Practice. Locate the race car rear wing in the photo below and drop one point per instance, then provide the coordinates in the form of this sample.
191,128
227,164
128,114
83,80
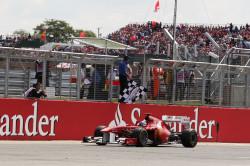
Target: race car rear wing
177,119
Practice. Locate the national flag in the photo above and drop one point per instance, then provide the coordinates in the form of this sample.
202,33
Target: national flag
82,34
157,6
43,36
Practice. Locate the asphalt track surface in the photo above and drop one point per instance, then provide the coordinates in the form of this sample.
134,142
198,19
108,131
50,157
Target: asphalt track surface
68,153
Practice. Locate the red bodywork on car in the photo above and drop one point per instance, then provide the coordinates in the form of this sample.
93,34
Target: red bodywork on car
151,131
157,130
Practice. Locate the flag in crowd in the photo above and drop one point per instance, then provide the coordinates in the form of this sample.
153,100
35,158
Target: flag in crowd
82,34
157,6
43,36
132,93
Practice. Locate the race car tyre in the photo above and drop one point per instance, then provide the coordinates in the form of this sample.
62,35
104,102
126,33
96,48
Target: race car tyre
142,136
104,136
189,138
86,139
98,132
104,140
156,142
101,143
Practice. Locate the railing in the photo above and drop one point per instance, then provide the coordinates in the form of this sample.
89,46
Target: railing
17,73
191,83
203,83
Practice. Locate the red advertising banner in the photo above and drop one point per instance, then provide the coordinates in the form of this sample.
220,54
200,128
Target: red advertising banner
22,119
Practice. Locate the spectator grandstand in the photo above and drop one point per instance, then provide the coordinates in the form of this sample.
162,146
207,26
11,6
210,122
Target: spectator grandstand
28,41
150,37
207,82
147,35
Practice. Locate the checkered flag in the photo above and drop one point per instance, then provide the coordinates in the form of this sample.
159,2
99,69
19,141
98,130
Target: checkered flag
132,93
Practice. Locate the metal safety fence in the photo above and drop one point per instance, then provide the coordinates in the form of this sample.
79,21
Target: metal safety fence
197,83
63,75
77,76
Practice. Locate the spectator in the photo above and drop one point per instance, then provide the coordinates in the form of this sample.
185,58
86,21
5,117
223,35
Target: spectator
123,74
110,78
168,80
85,80
191,85
136,72
151,33
157,71
39,71
35,92
96,83
180,80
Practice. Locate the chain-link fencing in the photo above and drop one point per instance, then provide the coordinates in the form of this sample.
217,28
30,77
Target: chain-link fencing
197,83
63,75
77,76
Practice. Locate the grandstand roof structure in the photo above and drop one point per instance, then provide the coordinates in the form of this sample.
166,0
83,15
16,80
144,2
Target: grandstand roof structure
23,53
102,43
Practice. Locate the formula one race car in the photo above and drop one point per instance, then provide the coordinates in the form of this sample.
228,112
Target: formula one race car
151,131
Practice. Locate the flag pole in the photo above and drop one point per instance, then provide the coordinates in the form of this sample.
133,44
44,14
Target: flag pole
174,51
174,30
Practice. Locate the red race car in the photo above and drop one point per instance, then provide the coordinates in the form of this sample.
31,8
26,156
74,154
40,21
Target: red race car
151,131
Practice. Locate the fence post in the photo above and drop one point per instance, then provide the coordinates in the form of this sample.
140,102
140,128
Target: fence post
174,84
169,51
195,51
247,89
203,92
186,52
157,48
221,88
144,79
44,72
28,79
144,76
111,83
71,80
78,82
60,82
6,76
94,81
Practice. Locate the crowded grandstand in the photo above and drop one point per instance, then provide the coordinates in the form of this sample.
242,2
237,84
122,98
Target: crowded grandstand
195,43
151,33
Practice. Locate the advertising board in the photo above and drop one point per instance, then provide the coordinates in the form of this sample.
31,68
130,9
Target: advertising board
22,119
